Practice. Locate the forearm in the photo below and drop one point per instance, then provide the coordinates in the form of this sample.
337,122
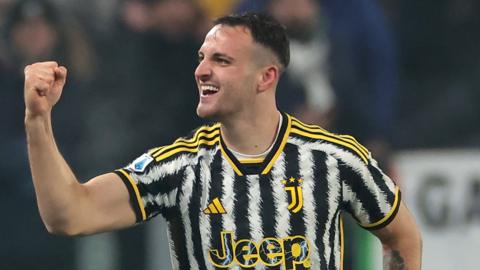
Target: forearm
56,187
404,255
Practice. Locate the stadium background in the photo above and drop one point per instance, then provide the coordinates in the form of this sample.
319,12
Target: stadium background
402,76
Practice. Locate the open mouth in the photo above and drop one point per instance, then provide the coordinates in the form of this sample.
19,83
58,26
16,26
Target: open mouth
208,90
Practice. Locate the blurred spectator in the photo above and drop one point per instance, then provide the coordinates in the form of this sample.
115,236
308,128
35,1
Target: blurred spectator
37,31
364,73
34,30
309,56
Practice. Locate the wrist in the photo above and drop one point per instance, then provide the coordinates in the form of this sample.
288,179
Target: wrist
36,117
35,123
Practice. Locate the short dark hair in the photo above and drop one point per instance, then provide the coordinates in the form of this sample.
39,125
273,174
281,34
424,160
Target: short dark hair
264,29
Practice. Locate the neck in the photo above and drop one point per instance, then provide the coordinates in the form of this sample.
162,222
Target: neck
251,134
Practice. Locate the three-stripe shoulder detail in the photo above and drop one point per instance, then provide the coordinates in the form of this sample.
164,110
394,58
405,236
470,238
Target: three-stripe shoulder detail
316,132
204,136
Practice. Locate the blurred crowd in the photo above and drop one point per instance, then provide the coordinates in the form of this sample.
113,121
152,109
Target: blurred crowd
395,74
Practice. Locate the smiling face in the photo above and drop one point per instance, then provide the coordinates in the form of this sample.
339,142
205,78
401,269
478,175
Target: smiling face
227,73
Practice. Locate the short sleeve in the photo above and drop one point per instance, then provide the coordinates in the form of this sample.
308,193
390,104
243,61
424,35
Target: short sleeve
152,187
368,194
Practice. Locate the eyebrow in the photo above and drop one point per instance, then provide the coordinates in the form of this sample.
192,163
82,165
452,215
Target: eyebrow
222,55
217,55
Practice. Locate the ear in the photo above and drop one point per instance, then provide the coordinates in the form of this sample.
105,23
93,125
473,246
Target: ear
268,78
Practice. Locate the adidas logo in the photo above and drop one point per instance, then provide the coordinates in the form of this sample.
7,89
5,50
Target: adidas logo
215,207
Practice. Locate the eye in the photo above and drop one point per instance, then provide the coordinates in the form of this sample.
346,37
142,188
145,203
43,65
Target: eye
200,57
223,61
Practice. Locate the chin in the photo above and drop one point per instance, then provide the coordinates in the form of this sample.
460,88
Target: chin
205,113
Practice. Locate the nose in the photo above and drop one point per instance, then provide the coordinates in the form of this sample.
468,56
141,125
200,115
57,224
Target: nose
203,72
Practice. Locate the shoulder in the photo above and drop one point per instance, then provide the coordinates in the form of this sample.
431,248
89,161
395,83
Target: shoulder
205,136
327,140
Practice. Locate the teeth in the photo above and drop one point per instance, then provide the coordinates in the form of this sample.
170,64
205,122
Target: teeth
209,88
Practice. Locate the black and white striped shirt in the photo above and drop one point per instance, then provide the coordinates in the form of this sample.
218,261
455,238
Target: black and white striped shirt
280,212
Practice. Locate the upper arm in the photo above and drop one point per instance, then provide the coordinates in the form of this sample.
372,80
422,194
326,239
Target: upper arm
402,242
107,205
402,227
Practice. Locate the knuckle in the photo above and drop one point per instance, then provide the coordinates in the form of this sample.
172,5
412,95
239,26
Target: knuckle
43,86
49,79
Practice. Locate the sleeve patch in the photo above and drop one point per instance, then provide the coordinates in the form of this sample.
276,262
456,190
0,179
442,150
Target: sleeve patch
139,164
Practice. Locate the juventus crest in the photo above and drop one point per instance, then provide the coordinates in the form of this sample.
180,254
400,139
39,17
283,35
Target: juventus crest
294,188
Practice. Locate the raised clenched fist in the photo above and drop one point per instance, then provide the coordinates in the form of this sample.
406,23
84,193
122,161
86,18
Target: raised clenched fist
44,83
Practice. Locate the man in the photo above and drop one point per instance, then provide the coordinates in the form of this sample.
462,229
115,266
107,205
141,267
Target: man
259,188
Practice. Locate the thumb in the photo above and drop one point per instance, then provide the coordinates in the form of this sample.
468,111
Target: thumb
60,76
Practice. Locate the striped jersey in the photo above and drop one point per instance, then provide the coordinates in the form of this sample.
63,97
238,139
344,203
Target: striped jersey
280,212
